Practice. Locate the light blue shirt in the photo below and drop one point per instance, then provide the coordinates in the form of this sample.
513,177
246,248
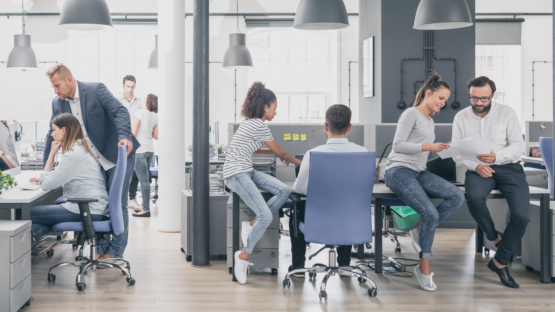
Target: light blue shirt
80,176
331,146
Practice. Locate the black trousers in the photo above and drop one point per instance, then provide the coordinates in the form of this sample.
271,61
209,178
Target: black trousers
133,186
298,244
511,181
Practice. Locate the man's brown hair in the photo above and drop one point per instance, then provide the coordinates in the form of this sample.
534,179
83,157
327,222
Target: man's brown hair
60,69
338,118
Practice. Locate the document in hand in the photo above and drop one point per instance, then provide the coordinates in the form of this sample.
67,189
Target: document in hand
468,149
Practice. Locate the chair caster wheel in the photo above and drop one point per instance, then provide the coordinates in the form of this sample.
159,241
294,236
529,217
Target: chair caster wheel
323,295
368,246
50,253
130,281
189,258
182,250
81,286
74,246
51,277
486,250
274,271
398,250
530,269
311,275
372,292
81,258
286,283
361,280
230,270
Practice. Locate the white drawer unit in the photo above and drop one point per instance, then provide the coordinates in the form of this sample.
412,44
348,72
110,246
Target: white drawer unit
531,240
15,265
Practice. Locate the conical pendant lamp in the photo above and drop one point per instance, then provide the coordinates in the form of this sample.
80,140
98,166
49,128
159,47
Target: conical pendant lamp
321,15
22,56
237,55
153,61
442,14
85,15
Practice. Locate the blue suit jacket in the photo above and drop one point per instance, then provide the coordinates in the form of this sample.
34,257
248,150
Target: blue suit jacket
105,118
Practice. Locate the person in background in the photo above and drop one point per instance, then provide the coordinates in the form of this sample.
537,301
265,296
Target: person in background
406,174
77,172
337,125
132,104
260,106
499,169
106,126
145,128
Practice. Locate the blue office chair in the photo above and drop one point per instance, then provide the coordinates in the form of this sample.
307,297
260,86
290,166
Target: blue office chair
337,211
92,229
154,175
546,149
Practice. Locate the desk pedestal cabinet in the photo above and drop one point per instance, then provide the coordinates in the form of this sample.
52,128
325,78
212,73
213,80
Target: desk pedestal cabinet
531,241
15,265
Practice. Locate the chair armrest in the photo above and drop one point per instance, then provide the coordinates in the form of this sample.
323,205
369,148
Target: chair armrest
295,198
82,200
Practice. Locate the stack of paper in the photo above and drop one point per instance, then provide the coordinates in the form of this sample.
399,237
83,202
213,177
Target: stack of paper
468,149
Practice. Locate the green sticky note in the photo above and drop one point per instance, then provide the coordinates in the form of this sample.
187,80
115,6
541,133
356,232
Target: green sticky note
303,137
295,137
287,137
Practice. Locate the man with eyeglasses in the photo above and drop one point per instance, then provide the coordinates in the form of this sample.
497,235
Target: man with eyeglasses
499,169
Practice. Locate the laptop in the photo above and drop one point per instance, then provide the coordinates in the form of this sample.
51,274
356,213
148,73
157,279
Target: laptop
444,168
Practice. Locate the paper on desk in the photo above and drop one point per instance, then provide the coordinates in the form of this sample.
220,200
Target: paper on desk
468,149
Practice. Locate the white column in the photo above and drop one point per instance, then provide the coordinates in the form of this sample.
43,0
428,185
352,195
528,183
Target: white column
171,112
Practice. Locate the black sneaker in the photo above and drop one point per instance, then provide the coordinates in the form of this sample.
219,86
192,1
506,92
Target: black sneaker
298,274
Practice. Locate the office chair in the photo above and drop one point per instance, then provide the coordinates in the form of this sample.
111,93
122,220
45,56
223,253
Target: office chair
546,148
338,211
90,229
154,175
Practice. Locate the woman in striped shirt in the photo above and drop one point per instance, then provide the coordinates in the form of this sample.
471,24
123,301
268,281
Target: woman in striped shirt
239,175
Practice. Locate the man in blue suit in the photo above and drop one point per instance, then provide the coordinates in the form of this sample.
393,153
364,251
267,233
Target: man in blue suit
106,125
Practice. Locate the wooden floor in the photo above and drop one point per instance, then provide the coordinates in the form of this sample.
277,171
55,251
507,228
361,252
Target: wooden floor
166,282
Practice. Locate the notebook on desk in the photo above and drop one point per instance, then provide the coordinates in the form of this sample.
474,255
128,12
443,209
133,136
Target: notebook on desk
29,187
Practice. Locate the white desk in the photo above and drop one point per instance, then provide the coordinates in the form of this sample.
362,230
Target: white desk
534,160
23,200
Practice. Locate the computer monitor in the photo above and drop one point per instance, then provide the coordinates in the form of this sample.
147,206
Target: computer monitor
444,168
9,164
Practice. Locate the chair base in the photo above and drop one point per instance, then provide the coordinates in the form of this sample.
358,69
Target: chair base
86,264
330,270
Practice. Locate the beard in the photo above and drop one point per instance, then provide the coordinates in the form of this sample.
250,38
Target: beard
481,110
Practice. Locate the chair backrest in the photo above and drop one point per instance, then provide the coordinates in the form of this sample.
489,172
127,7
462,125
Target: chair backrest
339,198
116,214
546,149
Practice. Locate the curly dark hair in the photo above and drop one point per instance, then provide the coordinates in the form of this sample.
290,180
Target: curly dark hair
258,97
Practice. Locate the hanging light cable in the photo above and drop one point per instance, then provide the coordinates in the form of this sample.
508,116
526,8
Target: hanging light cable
22,55
237,55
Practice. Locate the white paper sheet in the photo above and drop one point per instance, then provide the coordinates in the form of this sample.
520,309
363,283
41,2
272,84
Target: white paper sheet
468,149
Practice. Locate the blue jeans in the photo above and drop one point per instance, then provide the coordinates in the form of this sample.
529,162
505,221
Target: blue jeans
142,168
247,185
44,217
414,188
116,244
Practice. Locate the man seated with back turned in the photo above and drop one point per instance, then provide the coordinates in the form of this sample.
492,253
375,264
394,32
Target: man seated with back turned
337,125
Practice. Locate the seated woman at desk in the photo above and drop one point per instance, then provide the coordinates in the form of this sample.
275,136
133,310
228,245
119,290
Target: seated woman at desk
78,173
406,175
145,128
239,175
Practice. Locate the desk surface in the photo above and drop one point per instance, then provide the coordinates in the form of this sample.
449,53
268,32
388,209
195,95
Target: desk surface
16,196
535,160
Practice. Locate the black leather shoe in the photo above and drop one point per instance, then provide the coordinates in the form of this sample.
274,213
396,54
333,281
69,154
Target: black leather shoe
504,276
513,256
142,215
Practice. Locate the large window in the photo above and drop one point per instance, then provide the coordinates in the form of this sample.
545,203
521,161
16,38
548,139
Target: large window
297,66
109,56
502,64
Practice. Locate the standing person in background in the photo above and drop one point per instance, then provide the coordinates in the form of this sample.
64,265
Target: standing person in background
132,103
145,128
106,125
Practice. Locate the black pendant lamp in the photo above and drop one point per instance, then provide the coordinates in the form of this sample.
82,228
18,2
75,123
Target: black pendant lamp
85,15
442,14
321,15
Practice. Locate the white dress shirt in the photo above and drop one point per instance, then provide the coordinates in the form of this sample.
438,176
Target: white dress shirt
500,124
132,106
75,105
332,145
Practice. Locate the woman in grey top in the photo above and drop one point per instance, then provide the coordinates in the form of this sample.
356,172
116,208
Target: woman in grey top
406,175
78,173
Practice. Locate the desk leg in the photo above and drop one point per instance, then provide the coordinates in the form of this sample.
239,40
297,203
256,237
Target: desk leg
235,231
378,223
26,212
545,249
479,239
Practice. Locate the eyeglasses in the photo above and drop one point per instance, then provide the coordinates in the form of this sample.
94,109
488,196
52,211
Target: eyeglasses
475,99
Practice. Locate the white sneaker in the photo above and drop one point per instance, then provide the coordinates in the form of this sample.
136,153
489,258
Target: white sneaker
240,268
133,204
415,240
426,281
246,229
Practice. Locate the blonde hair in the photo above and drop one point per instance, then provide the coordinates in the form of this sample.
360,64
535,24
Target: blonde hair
61,69
73,134
433,83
